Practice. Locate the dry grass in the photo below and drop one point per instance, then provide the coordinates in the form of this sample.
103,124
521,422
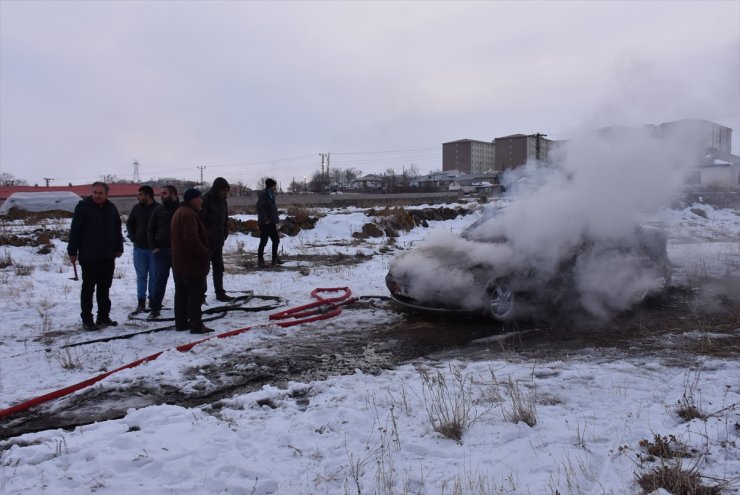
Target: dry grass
23,270
6,260
688,408
448,402
677,480
517,404
665,448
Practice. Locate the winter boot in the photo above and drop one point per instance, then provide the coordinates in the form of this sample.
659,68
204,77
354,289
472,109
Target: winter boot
277,261
141,306
224,297
203,329
105,321
89,325
261,262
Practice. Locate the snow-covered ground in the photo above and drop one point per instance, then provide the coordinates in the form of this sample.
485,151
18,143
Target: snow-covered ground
358,433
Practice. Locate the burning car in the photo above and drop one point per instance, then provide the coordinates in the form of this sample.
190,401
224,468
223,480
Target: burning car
497,268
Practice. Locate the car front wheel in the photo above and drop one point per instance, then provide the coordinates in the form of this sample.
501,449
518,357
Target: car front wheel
501,300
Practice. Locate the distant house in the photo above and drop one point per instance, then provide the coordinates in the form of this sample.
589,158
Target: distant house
369,183
447,180
717,169
486,183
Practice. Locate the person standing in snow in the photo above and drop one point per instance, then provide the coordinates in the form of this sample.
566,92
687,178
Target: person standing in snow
95,240
159,241
190,263
267,219
215,216
137,226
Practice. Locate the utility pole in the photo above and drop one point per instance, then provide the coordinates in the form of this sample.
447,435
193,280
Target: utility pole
48,180
201,167
322,155
136,171
323,177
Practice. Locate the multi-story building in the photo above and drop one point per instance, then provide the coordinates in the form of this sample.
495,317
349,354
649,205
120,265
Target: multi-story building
468,156
517,149
702,135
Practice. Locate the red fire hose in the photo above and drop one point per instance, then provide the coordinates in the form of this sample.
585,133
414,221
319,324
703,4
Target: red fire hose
321,309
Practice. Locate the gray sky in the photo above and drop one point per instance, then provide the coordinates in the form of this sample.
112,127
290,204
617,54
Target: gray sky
253,89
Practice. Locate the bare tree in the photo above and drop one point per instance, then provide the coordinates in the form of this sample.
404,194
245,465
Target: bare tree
8,179
261,182
412,171
296,186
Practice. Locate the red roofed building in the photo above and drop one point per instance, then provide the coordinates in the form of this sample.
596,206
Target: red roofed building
116,190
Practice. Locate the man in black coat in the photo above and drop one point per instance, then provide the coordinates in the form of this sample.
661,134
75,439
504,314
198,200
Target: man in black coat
160,242
215,215
95,240
267,219
137,226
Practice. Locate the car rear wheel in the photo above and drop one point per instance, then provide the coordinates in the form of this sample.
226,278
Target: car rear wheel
501,300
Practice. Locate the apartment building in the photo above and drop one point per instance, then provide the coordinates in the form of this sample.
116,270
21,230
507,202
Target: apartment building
702,135
517,149
468,156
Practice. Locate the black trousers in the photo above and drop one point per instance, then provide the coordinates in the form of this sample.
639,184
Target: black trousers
189,292
217,267
268,230
97,275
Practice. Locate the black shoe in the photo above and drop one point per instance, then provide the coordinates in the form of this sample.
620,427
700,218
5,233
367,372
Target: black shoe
153,314
203,329
90,326
261,263
277,261
141,306
182,329
105,321
224,298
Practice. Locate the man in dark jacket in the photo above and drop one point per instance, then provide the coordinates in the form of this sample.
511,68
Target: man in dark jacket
215,216
137,226
267,219
189,263
95,240
159,241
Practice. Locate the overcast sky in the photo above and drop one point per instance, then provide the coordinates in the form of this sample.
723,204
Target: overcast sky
251,89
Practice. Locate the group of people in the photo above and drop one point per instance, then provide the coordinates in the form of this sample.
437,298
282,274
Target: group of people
187,237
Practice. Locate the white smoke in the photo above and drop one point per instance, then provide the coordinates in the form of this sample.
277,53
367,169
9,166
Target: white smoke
597,189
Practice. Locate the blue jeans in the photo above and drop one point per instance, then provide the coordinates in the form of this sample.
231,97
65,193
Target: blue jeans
144,266
162,265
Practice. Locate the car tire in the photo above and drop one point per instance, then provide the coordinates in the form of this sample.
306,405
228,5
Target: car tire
502,300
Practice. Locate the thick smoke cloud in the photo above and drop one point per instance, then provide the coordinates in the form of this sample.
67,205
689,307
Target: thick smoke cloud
597,190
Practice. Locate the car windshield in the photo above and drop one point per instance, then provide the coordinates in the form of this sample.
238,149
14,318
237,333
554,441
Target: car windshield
474,232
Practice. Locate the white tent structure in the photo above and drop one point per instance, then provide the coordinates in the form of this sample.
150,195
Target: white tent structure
41,201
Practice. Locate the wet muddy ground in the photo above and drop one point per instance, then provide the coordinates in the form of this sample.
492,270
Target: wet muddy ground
677,328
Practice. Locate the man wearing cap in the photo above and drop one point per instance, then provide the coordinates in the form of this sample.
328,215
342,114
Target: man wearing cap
190,263
267,219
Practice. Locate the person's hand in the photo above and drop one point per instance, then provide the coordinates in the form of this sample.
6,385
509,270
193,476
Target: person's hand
118,255
73,259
